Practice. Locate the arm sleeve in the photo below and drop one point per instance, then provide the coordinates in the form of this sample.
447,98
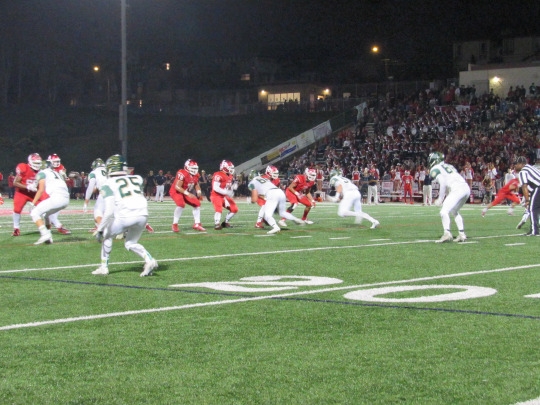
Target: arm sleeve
217,188
90,189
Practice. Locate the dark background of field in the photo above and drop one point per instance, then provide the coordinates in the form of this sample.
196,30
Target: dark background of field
155,141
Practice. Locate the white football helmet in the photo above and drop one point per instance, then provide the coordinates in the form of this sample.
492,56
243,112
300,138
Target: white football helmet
54,160
227,167
192,167
34,161
272,171
311,174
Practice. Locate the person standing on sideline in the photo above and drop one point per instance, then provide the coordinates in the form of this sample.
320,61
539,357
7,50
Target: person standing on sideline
222,194
25,188
427,190
49,182
487,182
126,212
348,196
373,186
184,190
407,183
149,185
448,177
274,197
11,187
160,180
204,182
529,180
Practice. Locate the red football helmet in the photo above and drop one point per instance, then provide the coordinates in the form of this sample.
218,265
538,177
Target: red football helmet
192,167
272,171
34,161
54,160
227,167
311,174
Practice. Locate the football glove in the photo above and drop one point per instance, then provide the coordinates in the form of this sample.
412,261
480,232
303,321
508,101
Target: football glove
31,187
85,208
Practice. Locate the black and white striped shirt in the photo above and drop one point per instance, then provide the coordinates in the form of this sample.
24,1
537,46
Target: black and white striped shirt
529,175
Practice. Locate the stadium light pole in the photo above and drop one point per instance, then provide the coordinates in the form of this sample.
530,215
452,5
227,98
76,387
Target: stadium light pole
122,120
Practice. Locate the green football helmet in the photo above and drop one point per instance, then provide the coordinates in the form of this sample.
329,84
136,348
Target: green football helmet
253,174
97,163
435,158
116,165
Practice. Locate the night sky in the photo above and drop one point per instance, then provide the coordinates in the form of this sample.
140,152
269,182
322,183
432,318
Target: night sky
417,32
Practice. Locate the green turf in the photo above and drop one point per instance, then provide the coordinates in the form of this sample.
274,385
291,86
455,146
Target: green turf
145,341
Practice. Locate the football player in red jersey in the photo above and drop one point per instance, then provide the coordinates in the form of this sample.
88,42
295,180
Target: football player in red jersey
25,188
272,174
507,192
299,192
407,181
185,189
222,194
56,165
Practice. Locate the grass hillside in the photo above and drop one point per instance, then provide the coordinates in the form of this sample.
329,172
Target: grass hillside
154,141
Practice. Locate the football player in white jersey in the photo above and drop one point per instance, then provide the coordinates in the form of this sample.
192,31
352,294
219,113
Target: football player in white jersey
51,182
449,179
349,196
96,178
126,212
275,198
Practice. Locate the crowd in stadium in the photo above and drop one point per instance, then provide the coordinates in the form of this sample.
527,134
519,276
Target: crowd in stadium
403,131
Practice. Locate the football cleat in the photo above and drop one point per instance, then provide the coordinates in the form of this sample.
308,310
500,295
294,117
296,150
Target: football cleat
149,228
374,225
308,222
149,267
191,167
16,232
282,223
46,238
520,224
103,271
447,237
63,231
275,229
199,227
460,238
227,167
218,227
259,225
225,224
175,228
299,222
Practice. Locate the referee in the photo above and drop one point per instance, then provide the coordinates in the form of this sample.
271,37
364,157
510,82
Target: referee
529,180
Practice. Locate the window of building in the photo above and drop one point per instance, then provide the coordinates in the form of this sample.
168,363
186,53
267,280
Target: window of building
276,99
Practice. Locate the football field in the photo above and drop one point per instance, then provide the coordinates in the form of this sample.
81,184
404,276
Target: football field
329,313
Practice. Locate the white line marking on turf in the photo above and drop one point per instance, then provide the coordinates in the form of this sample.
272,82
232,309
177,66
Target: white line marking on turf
514,244
260,298
182,259
530,402
344,237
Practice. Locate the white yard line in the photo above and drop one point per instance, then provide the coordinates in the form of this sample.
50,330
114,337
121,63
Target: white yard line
259,298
